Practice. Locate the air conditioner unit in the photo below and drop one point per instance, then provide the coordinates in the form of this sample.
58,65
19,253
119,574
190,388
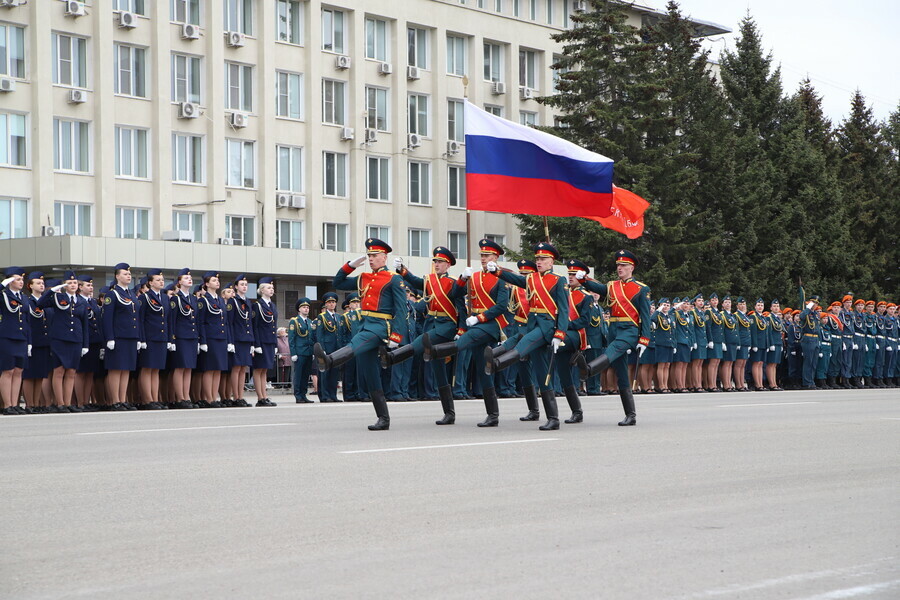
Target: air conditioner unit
49,231
77,96
342,62
298,201
498,88
9,3
413,140
526,93
127,20
226,242
235,38
74,9
579,6
346,133
238,120
413,73
371,136
282,200
7,84
178,235
189,31
453,147
188,110
385,68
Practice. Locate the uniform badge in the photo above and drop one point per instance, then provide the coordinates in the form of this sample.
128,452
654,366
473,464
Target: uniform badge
173,303
107,300
313,325
292,326
228,307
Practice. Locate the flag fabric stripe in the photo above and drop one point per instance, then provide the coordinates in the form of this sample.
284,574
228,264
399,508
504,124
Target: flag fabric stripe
627,215
514,195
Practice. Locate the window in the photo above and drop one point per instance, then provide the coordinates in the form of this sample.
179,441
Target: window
185,78
527,69
185,11
456,55
238,87
516,7
187,158
492,62
289,169
189,221
239,230
379,232
131,152
135,6
417,47
376,39
12,51
498,5
457,242
239,16
419,183
496,238
240,158
455,125
532,9
72,219
558,72
378,178
420,242
456,187
69,60
550,12
495,110
13,218
288,23
335,179
377,108
418,114
332,30
288,95
130,70
132,223
528,118
71,146
335,236
289,234
333,102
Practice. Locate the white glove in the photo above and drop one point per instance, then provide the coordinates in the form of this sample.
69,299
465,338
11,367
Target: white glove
771,348
392,344
455,337
203,347
142,345
398,264
694,347
57,288
674,350
579,275
844,347
111,344
294,358
556,343
724,347
358,262
754,348
710,345
491,267
628,351
889,349
6,281
640,349
794,353
738,348
102,353
230,348
171,347
810,304
467,273
29,349
84,351
820,355
588,347
855,347
470,321
877,347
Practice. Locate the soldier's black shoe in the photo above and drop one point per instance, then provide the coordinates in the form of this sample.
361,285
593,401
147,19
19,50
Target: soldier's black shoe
381,410
548,398
446,395
628,405
492,408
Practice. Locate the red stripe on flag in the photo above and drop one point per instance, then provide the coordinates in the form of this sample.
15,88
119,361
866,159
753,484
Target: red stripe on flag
627,214
514,195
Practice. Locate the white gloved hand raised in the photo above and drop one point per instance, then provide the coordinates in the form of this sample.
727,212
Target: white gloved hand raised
294,358
467,273
492,267
556,343
810,304
580,275
6,281
111,344
470,321
230,348
204,348
57,288
398,264
84,351
358,262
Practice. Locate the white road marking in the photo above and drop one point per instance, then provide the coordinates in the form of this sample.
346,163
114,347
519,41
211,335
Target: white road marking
764,404
448,446
186,428
854,592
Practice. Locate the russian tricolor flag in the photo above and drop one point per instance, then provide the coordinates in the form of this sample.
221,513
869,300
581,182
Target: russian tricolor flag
515,169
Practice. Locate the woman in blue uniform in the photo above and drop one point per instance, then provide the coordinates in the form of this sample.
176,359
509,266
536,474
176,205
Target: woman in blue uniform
776,345
69,337
240,320
153,315
664,337
120,328
759,340
684,341
732,338
89,365
215,339
265,322
700,329
715,343
184,330
745,343
37,368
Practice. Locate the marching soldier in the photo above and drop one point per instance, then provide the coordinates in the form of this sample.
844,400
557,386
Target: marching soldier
871,343
860,346
848,338
265,323
120,328
384,311
576,335
519,305
596,338
878,371
328,338
301,337
156,343
824,358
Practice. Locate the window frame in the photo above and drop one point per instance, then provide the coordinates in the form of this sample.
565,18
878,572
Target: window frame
379,232
423,249
137,71
289,28
420,121
245,161
378,40
85,141
456,123
192,16
338,120
335,28
78,210
461,253
453,68
423,187
338,229
295,174
372,111
292,225
243,89
383,183
78,60
417,47
243,13
135,152
194,163
341,174
191,62
460,179
197,229
528,71
137,210
490,58
13,66
290,100
245,220
9,230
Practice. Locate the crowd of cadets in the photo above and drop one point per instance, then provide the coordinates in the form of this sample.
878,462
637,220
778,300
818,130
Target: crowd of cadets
156,346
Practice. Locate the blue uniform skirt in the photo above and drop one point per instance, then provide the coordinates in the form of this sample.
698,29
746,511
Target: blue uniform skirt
664,355
743,353
65,354
715,351
649,357
153,356
730,353
698,353
90,362
216,356
266,360
38,364
759,355
123,358
774,357
13,354
241,356
185,355
683,354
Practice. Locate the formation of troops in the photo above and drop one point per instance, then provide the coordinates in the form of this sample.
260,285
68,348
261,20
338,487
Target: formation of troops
489,333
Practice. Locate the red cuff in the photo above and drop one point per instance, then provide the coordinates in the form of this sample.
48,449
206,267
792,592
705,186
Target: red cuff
347,268
462,282
481,318
559,334
644,341
460,331
396,337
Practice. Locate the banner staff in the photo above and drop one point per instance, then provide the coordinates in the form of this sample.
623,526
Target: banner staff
465,82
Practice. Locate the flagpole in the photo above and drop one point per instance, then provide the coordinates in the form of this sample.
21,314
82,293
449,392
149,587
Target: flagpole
546,230
465,82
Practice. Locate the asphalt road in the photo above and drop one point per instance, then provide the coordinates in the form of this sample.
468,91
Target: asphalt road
764,495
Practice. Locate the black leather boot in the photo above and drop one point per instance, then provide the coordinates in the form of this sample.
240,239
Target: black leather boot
431,351
627,404
493,365
497,351
830,384
589,369
381,411
445,392
574,404
548,398
531,401
335,359
492,408
397,355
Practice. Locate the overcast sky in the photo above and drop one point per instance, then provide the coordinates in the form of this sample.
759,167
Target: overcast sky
839,45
